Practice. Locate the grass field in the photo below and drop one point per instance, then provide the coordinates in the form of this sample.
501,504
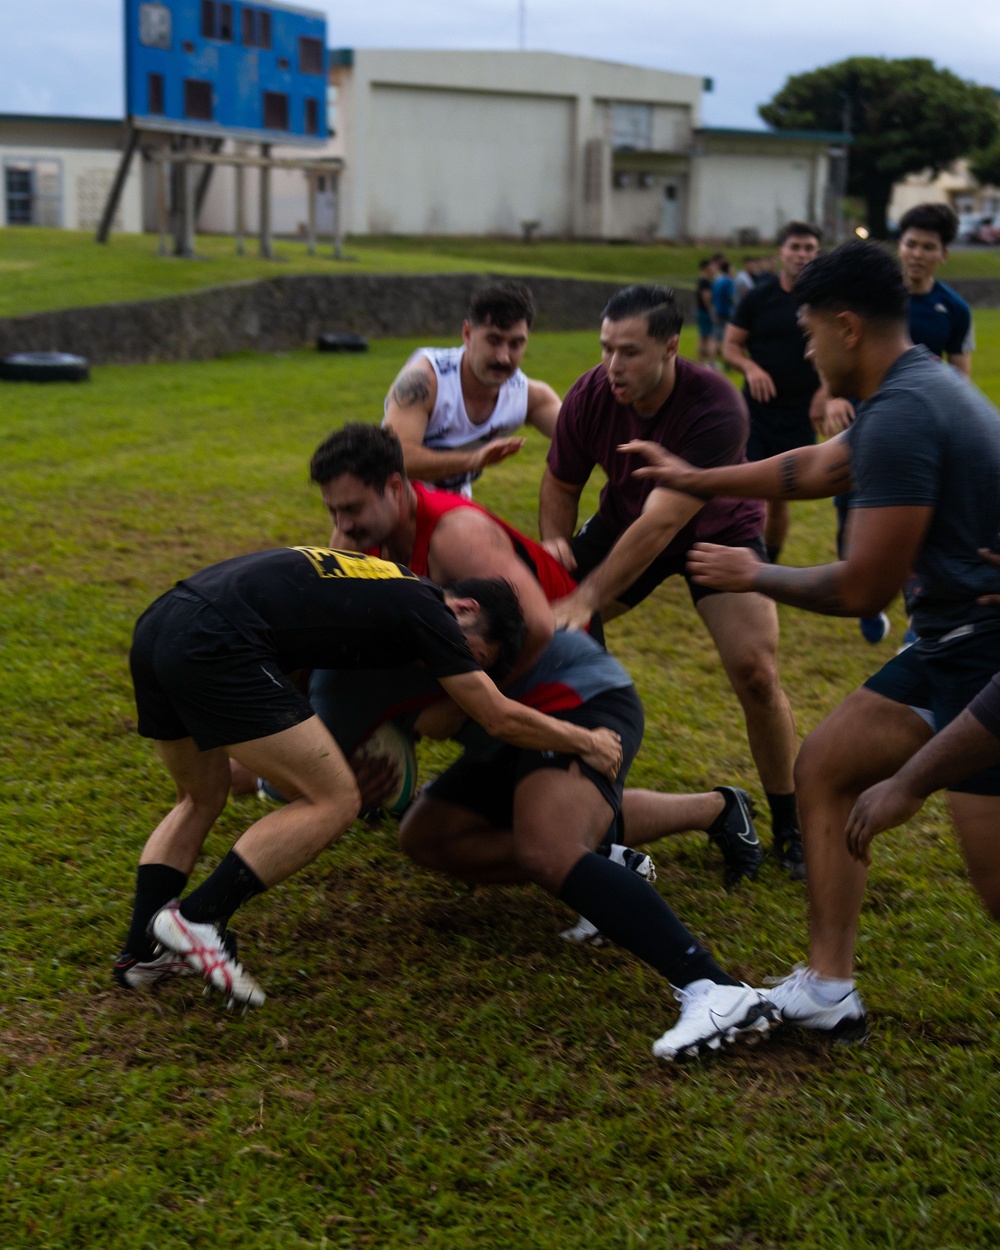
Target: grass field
433,1067
46,269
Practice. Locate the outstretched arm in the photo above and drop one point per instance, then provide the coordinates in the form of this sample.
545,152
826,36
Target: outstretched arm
959,750
884,543
805,473
522,726
665,512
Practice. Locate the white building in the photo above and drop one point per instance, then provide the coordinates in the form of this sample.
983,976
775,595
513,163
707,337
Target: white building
477,143
57,171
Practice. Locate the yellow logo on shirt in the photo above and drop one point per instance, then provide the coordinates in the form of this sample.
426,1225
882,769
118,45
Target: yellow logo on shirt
330,563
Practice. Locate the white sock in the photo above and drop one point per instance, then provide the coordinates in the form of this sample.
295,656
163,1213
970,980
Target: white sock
829,990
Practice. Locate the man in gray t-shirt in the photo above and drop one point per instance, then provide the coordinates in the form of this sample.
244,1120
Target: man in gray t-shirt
924,460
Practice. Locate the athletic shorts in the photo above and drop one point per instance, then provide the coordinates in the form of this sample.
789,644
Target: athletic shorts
595,539
719,327
945,675
777,430
195,676
485,784
706,326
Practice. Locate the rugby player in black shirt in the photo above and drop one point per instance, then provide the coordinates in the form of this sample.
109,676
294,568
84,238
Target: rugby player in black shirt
210,662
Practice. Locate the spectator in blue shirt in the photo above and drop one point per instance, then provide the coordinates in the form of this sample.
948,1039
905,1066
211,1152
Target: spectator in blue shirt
723,298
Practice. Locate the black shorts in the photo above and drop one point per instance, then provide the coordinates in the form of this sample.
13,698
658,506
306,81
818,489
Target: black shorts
595,538
485,784
195,676
777,430
945,675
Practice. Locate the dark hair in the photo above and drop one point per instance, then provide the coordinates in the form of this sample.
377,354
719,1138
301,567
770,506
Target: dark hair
368,452
502,304
501,621
940,218
655,303
860,277
709,260
796,230
724,266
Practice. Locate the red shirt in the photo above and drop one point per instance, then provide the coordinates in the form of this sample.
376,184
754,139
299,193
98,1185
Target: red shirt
704,421
554,580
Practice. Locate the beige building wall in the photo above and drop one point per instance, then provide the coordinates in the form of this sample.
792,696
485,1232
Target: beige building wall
954,185
73,164
769,182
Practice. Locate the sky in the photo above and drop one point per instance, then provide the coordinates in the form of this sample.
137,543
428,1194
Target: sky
66,57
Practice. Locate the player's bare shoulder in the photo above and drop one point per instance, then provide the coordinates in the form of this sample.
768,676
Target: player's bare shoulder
415,386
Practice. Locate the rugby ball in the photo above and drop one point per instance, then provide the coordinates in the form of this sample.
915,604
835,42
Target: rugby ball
390,742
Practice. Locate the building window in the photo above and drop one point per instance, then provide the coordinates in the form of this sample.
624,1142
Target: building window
632,127
256,25
312,117
197,100
217,21
275,110
154,88
310,55
32,193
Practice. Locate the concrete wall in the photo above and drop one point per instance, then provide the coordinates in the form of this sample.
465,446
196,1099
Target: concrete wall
279,314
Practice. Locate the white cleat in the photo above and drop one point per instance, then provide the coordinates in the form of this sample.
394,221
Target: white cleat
798,1004
713,1014
204,950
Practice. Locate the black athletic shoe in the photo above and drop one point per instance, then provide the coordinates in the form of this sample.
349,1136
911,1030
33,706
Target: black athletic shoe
788,852
734,834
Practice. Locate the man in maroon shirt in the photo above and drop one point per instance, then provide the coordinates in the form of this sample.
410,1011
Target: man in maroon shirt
639,537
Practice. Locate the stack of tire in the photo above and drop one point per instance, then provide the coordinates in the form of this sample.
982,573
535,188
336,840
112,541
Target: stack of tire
44,367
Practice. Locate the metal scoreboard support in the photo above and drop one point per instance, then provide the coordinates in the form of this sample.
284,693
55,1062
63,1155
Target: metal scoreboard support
199,72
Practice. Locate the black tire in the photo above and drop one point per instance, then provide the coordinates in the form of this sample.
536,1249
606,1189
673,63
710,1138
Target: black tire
44,367
342,343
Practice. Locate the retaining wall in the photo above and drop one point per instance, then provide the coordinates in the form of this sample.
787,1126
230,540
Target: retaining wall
278,314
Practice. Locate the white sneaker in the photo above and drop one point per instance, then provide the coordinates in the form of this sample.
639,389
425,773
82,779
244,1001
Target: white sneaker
143,974
714,1014
203,948
798,1004
584,932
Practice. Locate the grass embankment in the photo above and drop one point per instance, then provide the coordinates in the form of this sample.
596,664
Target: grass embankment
47,269
433,1067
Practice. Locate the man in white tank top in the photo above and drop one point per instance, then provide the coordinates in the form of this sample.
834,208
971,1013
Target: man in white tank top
456,409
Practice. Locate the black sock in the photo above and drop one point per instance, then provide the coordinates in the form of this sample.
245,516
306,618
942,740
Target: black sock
784,817
231,885
155,886
772,554
629,911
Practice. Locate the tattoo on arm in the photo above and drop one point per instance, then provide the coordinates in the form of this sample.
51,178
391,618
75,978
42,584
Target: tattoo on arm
816,589
411,388
789,475
839,473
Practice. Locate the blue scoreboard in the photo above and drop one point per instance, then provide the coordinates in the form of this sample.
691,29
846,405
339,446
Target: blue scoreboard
221,68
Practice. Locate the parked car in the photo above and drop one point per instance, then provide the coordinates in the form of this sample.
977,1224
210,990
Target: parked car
988,232
978,228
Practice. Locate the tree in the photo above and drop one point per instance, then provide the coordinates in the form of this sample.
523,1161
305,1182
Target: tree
904,116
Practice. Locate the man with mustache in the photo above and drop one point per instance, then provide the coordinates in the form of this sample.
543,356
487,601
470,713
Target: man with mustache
456,409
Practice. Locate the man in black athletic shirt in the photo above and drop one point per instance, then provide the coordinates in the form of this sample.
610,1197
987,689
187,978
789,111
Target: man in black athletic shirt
210,662
765,343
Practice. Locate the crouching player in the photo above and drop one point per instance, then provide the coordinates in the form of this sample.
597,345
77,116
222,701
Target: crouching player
210,660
